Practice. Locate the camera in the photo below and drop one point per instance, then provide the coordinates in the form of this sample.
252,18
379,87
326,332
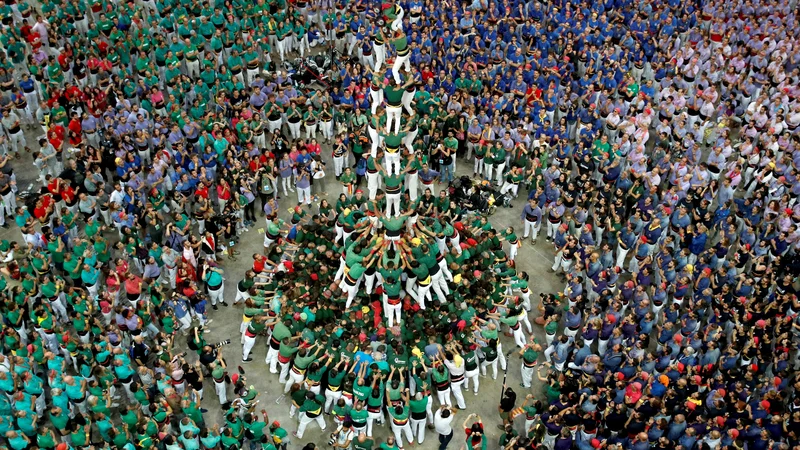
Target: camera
222,343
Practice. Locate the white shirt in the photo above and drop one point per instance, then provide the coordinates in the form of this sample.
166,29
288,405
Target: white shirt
443,425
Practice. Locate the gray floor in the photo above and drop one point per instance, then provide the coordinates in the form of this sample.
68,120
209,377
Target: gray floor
535,260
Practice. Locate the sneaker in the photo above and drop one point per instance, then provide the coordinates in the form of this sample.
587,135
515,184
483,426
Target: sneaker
245,361
215,307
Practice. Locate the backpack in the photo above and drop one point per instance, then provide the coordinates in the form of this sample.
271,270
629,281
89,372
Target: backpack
361,167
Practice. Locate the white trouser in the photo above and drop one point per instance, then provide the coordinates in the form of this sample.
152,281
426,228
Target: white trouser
282,44
499,173
408,97
331,397
494,367
393,200
311,131
400,430
251,75
392,313
327,129
444,397
272,360
222,391
412,185
376,99
193,68
380,56
249,343
243,296
401,61
273,125
527,375
513,187
304,195
458,394
371,418
621,254
531,227
217,295
408,140
375,141
373,184
392,160
305,420
473,376
418,429
478,167
18,141
294,129
293,378
393,113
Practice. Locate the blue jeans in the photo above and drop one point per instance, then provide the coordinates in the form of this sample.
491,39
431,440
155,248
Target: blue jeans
445,440
447,173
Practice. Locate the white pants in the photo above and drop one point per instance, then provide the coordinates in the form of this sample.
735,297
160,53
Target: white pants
393,113
251,75
412,185
478,167
249,343
458,394
272,360
408,97
18,140
418,428
499,173
621,254
375,99
393,200
392,311
401,61
222,392
338,165
294,129
375,141
304,195
380,56
532,227
473,376
527,375
373,184
444,397
408,140
392,160
327,129
311,131
217,295
305,420
514,188
193,68
331,397
400,430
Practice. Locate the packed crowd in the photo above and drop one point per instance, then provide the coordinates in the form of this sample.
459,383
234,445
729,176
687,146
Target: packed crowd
655,143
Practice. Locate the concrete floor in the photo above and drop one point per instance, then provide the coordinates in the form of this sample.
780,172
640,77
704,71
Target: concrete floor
535,260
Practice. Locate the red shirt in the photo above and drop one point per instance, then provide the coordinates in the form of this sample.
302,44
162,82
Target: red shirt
68,194
202,191
75,132
223,192
56,136
258,265
41,212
